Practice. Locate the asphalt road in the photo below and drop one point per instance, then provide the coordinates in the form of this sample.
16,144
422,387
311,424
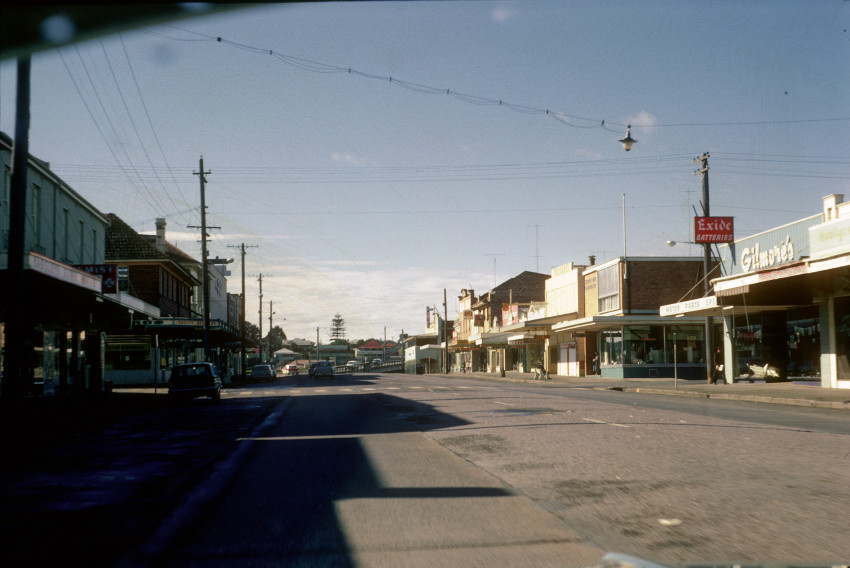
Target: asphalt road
343,479
394,470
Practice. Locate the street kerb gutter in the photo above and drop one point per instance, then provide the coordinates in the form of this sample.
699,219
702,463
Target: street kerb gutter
836,405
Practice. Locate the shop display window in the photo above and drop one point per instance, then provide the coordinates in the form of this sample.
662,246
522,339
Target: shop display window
689,342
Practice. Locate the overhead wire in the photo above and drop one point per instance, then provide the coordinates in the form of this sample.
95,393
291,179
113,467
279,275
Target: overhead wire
152,128
135,128
96,122
319,67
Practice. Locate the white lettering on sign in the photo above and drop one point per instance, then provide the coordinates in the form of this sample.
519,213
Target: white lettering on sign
714,224
755,258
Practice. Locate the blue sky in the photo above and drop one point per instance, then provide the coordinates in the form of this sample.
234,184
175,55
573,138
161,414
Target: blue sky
367,196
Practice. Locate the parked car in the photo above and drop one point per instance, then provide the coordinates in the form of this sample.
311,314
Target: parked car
192,380
376,363
291,369
323,369
352,365
264,373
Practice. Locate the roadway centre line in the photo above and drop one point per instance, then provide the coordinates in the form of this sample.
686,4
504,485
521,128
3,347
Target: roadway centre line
609,423
504,403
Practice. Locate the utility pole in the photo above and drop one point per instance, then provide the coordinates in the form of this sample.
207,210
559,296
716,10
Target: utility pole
204,259
242,247
16,375
446,331
706,269
260,279
271,327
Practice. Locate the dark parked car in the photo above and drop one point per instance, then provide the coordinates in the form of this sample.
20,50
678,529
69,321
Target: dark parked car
192,380
322,369
263,373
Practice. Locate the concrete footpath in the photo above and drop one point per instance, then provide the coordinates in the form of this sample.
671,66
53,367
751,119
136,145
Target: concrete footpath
793,393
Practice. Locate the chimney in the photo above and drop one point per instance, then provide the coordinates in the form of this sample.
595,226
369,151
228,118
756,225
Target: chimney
591,259
160,235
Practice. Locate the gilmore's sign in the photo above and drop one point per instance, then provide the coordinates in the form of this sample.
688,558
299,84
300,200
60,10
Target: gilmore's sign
758,257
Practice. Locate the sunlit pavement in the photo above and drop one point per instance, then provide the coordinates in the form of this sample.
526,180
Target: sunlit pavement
795,393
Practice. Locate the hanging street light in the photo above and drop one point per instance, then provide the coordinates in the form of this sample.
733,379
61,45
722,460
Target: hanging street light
628,141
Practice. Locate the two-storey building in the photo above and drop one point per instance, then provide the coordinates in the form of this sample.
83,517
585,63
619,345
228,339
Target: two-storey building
623,325
66,295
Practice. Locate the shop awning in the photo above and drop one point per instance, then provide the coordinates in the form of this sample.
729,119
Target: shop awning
490,338
714,306
594,323
526,338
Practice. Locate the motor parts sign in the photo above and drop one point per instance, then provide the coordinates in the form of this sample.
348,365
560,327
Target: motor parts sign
714,230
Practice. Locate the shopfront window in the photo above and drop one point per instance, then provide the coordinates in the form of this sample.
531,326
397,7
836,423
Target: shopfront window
689,344
128,353
789,341
612,347
643,344
803,344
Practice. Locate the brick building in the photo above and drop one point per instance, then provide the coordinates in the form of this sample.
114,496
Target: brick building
622,324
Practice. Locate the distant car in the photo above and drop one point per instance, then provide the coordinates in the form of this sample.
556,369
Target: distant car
311,371
291,369
263,372
323,369
376,363
193,380
352,365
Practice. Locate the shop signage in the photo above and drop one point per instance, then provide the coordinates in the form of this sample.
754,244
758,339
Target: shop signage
107,272
756,257
714,229
689,306
62,272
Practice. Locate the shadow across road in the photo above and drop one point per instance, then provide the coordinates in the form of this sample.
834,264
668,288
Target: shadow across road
293,503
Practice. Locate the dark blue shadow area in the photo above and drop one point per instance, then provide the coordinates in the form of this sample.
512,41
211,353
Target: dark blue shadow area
279,508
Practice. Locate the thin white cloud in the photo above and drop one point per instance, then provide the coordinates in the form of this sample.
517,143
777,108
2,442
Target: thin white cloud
346,158
502,13
643,119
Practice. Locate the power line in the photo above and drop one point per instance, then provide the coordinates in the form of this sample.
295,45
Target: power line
564,118
150,121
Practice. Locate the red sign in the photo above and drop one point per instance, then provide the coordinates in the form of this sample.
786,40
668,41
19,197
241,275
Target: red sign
108,273
714,230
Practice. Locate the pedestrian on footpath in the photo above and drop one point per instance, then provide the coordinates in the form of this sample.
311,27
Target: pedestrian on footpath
717,375
541,372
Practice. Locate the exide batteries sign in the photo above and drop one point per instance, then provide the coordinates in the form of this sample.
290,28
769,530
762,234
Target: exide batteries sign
713,230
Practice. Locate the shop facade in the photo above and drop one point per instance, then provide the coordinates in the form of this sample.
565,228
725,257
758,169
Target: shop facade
784,301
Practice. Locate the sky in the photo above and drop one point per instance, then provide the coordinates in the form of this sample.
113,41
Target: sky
373,155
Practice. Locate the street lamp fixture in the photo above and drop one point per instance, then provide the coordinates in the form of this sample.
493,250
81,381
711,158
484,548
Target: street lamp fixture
628,141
